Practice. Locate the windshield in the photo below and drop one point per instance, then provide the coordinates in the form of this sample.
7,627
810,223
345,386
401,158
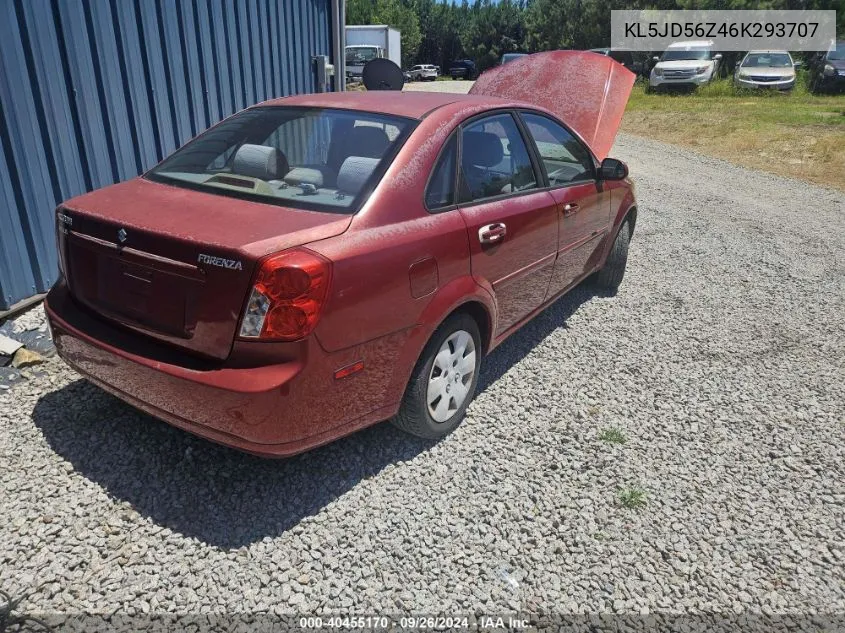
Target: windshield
768,60
674,55
509,57
837,53
320,159
361,54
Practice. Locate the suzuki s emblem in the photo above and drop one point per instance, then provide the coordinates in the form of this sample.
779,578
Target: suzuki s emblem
121,235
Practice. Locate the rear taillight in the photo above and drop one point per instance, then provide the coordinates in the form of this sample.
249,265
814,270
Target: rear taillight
287,296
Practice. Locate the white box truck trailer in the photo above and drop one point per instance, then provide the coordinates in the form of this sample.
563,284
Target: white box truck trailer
366,42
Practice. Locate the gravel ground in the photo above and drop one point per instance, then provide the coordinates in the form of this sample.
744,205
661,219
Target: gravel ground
718,369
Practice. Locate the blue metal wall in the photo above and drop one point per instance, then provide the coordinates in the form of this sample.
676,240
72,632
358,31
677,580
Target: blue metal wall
97,91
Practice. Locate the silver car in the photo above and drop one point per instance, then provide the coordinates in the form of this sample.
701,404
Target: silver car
766,69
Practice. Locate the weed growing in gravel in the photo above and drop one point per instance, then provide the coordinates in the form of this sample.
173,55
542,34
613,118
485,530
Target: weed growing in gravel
632,498
613,436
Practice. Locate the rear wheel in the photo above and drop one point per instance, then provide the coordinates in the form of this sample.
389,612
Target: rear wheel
610,277
443,381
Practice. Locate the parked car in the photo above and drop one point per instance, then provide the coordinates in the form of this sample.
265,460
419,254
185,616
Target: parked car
623,56
318,263
827,70
510,57
766,69
463,69
685,65
423,72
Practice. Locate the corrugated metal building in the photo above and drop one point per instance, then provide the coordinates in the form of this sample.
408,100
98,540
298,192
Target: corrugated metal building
93,92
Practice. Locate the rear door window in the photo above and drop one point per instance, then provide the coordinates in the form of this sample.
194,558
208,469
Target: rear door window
564,157
494,159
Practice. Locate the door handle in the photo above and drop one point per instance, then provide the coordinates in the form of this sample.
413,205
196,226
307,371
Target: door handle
492,233
570,207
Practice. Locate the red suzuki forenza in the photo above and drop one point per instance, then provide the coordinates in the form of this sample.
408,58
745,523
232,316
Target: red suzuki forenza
318,263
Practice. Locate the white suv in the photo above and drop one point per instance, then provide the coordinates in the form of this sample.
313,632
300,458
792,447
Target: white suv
423,72
685,64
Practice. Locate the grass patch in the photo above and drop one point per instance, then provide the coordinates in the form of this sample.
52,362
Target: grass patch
613,436
794,134
632,498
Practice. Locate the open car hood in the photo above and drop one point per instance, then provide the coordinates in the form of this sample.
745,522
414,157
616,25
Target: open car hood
587,91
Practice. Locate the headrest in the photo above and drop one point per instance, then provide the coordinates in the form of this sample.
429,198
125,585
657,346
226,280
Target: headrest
305,175
483,149
355,172
366,140
260,161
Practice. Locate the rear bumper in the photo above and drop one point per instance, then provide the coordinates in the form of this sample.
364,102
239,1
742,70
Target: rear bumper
273,410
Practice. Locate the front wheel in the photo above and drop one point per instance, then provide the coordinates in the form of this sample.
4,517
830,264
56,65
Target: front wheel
610,277
443,381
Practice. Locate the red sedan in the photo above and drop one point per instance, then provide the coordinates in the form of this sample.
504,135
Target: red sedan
318,263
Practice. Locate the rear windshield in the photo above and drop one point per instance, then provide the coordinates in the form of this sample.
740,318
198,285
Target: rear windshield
320,159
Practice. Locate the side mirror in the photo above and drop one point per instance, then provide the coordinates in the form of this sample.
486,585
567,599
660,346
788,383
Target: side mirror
655,58
612,169
797,65
717,56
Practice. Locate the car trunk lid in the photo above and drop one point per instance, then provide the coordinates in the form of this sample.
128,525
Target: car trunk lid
587,91
173,263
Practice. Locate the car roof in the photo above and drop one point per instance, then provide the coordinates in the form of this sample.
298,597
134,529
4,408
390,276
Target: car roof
767,52
412,104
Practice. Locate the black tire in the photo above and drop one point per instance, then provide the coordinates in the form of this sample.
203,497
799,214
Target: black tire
610,277
414,416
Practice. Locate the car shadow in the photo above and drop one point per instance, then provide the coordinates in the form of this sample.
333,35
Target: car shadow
223,497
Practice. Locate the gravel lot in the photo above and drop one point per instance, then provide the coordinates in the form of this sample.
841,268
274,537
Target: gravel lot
720,362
